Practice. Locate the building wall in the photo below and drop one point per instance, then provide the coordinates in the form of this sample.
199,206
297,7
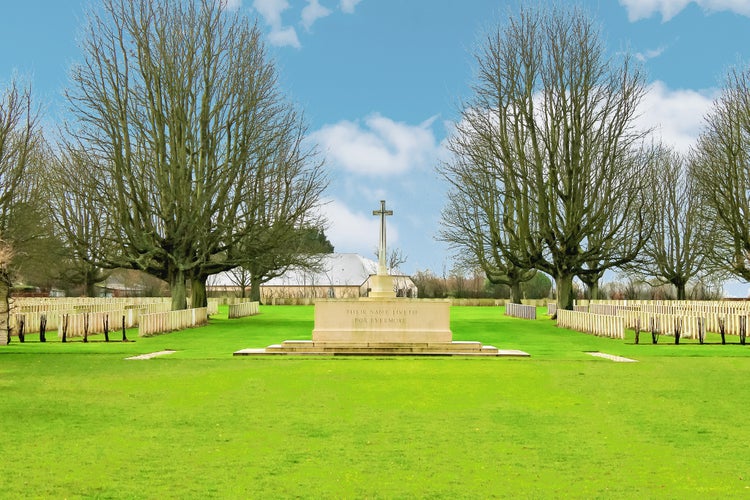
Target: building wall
268,293
406,288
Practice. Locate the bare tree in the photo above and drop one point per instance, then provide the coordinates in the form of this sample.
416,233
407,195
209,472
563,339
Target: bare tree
6,282
240,277
19,137
273,252
179,113
430,286
277,250
478,199
24,221
281,228
79,218
555,114
479,203
676,251
722,169
395,258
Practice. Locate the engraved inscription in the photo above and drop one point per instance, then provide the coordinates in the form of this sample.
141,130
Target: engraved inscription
380,317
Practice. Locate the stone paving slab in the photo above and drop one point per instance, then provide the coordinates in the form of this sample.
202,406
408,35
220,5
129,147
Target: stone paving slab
152,354
339,350
512,353
617,359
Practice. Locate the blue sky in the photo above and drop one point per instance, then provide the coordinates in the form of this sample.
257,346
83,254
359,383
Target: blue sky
380,82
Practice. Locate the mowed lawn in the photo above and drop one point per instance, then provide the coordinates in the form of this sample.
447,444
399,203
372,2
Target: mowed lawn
79,421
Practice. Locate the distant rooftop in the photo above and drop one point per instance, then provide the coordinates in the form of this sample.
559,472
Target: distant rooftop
335,269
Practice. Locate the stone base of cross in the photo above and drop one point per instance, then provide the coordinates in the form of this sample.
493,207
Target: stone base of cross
381,286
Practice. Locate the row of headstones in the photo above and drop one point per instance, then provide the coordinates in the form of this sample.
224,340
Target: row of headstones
689,308
83,326
596,324
677,326
163,322
21,326
674,327
664,303
551,308
676,318
91,304
520,311
242,309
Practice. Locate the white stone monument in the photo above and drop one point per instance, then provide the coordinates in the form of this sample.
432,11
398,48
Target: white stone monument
381,323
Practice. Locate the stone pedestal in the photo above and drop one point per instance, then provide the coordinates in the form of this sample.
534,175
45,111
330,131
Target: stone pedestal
371,320
381,326
381,287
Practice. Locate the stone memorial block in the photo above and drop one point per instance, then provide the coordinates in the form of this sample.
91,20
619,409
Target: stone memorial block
382,320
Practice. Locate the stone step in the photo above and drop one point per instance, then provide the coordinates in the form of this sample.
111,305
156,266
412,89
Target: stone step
375,348
395,346
377,352
306,347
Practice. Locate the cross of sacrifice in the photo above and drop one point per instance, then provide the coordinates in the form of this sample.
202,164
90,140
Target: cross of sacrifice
382,270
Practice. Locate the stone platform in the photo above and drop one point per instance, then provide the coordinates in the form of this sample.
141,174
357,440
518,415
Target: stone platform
381,327
311,347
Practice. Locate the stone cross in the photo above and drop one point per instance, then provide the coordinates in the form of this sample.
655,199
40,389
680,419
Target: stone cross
382,269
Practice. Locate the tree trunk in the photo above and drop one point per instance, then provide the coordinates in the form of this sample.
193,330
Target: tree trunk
254,290
178,290
4,312
594,290
564,291
592,285
88,286
515,293
681,291
198,292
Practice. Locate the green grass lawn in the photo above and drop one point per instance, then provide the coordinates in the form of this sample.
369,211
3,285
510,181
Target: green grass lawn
79,421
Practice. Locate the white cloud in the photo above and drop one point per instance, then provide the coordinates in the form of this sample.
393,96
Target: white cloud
356,232
348,5
379,146
649,54
284,37
677,116
355,188
312,12
643,9
230,5
271,11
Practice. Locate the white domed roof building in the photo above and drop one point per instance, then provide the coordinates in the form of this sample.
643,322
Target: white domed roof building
338,275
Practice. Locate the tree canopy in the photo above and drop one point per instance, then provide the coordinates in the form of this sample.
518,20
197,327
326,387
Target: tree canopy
680,241
182,138
722,170
550,127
